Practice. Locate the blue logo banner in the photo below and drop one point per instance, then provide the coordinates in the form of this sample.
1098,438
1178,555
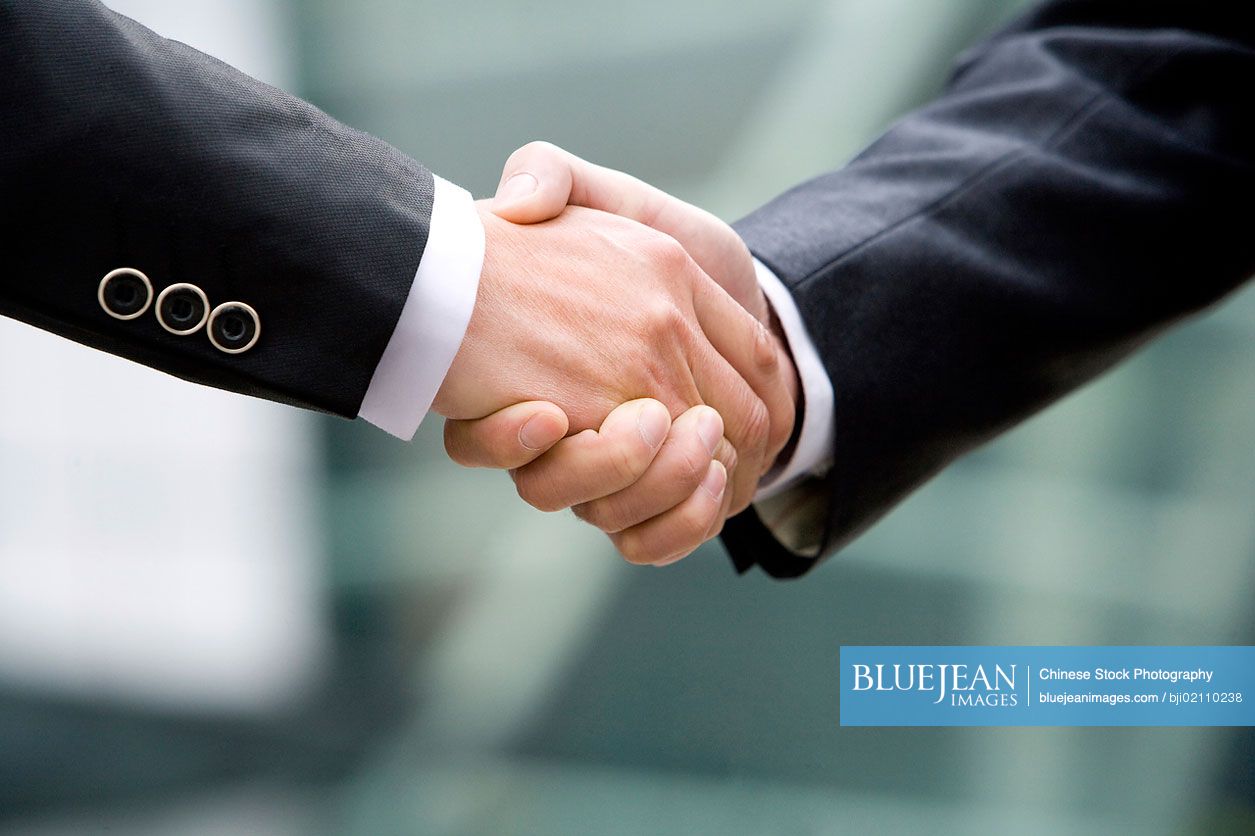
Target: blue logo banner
1047,686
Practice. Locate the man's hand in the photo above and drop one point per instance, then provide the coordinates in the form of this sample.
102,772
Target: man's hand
652,519
589,311
656,487
540,180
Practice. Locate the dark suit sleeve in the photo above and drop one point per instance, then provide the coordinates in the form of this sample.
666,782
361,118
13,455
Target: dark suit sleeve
1086,180
119,148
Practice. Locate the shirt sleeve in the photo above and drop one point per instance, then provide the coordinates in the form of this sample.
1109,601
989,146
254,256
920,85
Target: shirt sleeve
812,455
433,319
791,500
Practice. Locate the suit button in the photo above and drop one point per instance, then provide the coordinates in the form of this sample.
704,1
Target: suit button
182,309
125,293
234,327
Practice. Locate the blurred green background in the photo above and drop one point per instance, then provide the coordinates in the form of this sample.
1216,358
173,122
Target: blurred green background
481,668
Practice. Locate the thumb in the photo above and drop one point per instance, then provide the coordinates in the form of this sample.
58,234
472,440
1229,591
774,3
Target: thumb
540,179
535,184
508,438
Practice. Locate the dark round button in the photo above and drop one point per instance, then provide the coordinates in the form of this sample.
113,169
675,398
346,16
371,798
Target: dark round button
125,293
234,327
182,309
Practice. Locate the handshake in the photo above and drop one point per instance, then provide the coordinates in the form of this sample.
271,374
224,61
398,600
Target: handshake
1066,197
621,359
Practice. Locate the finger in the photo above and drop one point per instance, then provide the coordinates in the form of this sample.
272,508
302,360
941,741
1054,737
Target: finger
508,438
747,420
535,184
751,349
596,463
725,453
673,475
670,536
540,179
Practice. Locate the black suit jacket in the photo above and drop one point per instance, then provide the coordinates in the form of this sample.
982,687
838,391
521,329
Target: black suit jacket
1086,179
119,148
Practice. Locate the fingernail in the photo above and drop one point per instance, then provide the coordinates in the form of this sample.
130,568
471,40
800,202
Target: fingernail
653,422
669,560
516,188
716,480
537,433
710,429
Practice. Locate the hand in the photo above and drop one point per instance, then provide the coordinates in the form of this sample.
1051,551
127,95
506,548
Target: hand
651,521
589,310
540,180
657,488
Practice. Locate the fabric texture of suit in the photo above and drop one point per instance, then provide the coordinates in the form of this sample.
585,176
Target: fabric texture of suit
1086,179
119,148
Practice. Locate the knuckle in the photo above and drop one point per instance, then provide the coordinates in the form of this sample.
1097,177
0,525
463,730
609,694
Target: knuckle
693,524
742,498
632,547
628,461
691,465
765,353
757,424
727,454
781,430
535,491
455,446
529,150
666,254
664,322
678,556
600,514
587,512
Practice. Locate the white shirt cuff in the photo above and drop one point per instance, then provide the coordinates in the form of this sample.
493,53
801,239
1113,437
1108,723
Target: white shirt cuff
434,318
812,455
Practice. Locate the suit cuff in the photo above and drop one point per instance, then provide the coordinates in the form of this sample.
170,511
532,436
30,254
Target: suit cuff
812,455
434,318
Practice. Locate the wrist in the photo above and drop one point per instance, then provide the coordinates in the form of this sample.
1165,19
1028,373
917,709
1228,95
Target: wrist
434,317
792,382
